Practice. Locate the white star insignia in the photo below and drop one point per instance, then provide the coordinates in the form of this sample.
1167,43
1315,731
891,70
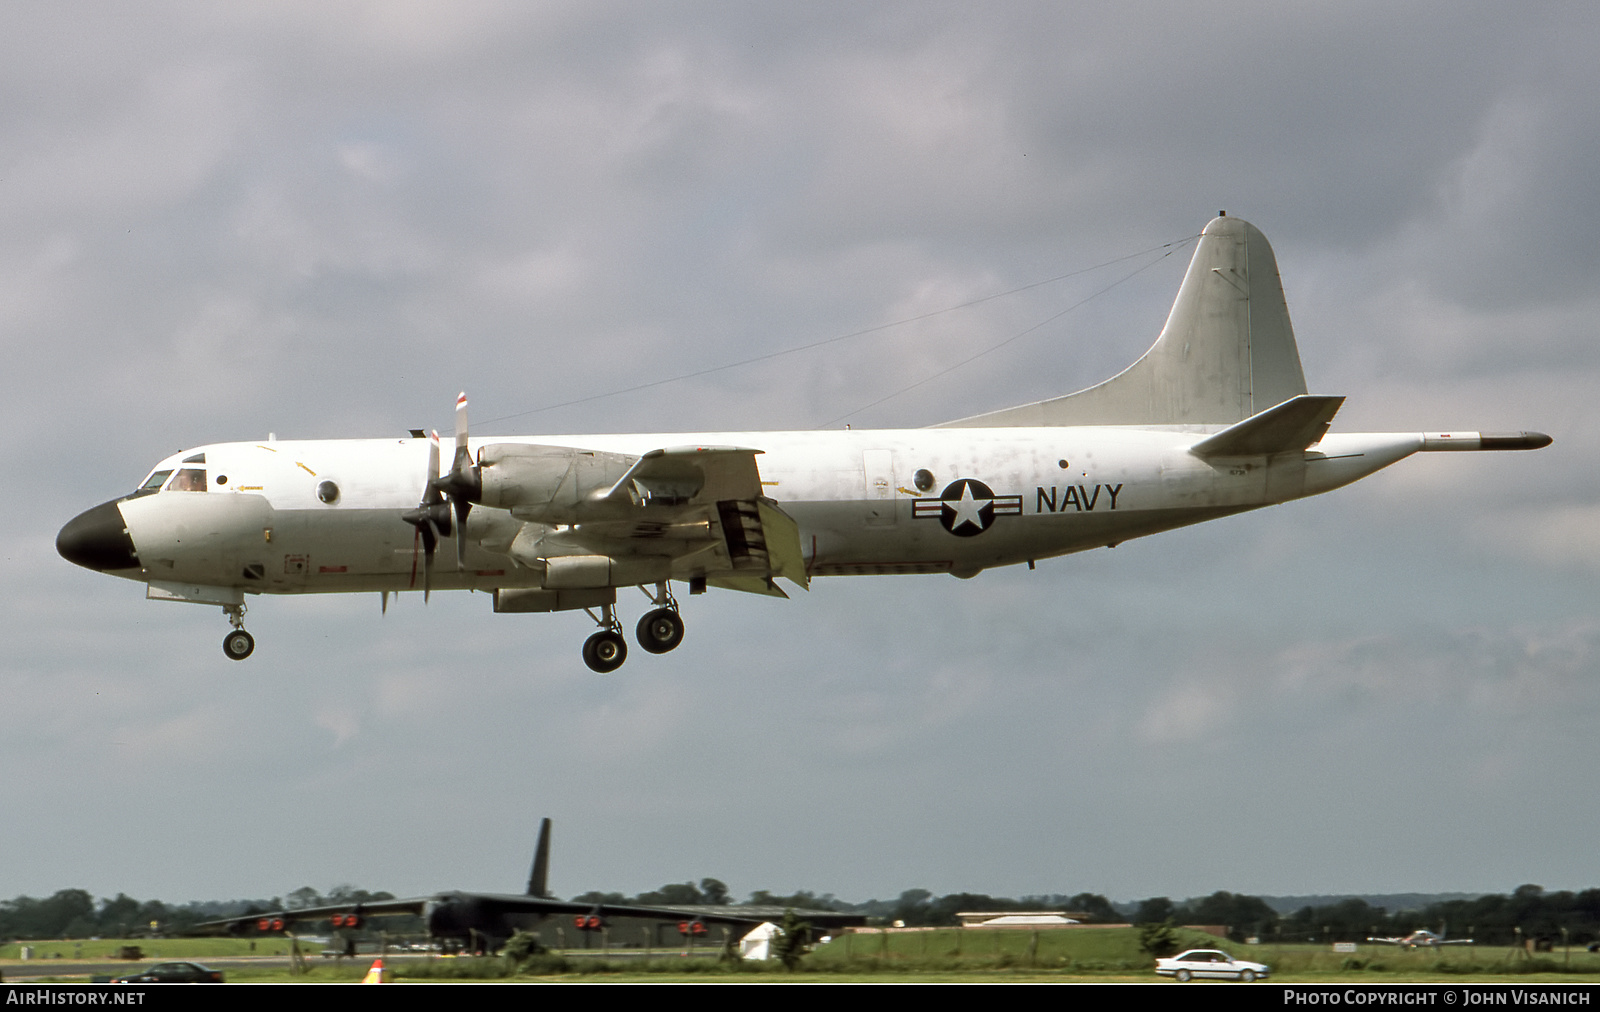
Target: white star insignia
967,510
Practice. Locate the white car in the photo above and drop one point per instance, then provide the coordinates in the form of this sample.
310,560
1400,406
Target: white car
1210,963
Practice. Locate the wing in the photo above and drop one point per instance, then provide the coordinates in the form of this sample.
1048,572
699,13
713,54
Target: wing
458,914
754,541
281,920
690,474
685,512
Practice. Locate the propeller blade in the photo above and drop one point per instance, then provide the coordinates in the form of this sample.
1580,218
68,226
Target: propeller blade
462,461
431,518
430,492
463,483
415,538
430,540
442,496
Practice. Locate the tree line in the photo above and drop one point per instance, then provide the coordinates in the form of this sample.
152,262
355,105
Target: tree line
1489,919
74,913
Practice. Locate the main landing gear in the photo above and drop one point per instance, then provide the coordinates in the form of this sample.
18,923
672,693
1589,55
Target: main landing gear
658,631
238,644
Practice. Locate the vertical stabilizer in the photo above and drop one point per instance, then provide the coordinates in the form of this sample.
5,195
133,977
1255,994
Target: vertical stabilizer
1226,353
539,878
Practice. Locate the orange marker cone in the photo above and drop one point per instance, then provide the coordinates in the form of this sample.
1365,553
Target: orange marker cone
376,975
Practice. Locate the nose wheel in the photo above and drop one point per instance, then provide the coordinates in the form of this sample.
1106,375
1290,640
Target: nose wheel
238,644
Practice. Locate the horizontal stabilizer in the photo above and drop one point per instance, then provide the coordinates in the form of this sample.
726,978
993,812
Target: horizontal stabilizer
1293,425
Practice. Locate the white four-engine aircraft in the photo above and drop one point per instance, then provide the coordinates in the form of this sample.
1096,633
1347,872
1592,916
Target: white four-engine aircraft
1213,420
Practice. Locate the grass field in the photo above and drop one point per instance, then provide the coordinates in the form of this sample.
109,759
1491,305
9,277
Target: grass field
153,948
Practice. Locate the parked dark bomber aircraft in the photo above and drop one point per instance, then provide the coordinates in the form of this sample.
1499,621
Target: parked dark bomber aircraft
1213,420
483,921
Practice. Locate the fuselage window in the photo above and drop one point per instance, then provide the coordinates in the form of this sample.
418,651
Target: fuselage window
190,479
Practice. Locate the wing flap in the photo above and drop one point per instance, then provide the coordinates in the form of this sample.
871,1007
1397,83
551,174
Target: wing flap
762,542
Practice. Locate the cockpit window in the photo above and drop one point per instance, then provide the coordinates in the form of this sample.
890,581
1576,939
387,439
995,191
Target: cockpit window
154,482
190,479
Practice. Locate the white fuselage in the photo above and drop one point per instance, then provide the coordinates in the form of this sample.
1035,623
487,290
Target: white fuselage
261,527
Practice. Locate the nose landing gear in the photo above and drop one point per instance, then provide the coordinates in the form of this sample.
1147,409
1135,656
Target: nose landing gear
238,644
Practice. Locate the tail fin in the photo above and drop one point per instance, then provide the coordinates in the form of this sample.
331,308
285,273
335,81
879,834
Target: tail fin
1226,353
539,878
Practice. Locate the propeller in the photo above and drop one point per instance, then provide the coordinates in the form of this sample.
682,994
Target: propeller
463,485
431,518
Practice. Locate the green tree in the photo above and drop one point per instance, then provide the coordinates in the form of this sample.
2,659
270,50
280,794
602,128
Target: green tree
913,906
1158,939
676,894
119,918
714,891
1241,914
520,946
305,896
790,946
1096,906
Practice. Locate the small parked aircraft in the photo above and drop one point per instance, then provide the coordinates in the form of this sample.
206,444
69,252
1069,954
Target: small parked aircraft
1421,939
1213,420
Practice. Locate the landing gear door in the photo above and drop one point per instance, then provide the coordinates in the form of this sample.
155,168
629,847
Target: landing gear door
878,468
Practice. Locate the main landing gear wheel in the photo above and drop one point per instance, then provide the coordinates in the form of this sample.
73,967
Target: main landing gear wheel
605,651
238,644
660,630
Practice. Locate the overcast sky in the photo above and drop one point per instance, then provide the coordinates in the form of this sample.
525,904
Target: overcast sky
324,219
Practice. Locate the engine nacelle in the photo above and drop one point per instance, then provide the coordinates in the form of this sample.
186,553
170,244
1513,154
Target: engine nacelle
546,483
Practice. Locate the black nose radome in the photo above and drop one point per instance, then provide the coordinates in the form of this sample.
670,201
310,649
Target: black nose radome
98,539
